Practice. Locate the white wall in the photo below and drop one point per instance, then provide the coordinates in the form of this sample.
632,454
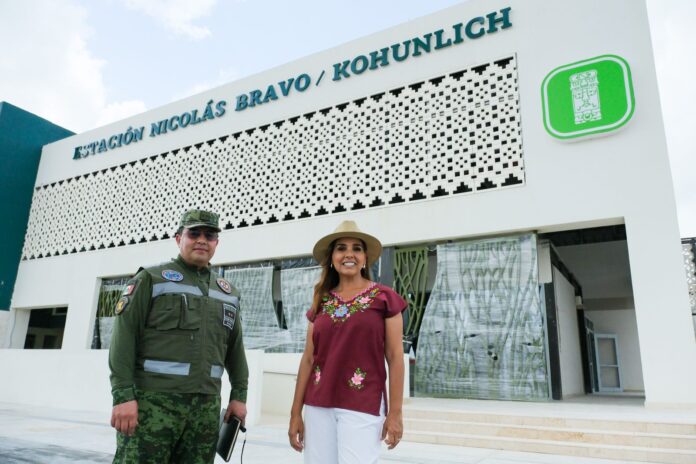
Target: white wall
80,380
5,320
604,178
623,324
280,375
568,337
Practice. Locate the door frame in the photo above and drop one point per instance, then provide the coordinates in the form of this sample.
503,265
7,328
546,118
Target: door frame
614,338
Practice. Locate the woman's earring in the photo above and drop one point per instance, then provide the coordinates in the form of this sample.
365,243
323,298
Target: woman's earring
331,265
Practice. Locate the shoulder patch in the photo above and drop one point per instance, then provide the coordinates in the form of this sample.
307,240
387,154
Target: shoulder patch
173,276
130,288
121,305
224,285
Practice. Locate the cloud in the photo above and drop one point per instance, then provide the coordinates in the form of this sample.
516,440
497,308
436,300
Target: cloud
176,15
120,110
670,24
224,76
48,69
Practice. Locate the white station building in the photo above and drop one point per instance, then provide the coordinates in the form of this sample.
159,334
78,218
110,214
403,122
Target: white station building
510,155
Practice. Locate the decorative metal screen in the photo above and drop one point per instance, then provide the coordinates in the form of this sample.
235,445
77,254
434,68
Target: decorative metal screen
109,293
297,289
259,322
453,134
410,281
482,333
690,268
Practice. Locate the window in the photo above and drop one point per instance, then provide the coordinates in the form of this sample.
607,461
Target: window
46,328
109,293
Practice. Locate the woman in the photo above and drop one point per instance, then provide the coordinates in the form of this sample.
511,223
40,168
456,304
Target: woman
354,325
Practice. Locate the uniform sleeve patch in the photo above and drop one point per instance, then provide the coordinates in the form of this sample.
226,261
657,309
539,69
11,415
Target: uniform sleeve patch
224,285
130,288
121,305
173,276
229,315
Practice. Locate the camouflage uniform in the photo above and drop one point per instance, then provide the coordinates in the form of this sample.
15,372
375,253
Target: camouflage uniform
173,427
176,328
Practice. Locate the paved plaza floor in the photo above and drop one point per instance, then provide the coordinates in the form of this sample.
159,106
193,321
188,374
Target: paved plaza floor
34,435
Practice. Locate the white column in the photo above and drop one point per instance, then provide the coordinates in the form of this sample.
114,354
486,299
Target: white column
665,331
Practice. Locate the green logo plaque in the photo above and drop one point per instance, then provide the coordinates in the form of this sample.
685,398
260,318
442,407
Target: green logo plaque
589,97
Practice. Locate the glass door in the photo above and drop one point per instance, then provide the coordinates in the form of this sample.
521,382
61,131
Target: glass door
607,352
591,354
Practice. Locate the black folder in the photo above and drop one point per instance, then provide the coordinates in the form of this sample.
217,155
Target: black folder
227,435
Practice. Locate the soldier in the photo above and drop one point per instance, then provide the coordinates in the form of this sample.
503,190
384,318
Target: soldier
177,328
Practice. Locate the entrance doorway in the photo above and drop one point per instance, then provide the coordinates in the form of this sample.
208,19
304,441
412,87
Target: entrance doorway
604,356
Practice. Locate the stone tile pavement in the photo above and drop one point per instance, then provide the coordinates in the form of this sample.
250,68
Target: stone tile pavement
30,434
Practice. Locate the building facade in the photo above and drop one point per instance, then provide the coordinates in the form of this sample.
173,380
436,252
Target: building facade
510,155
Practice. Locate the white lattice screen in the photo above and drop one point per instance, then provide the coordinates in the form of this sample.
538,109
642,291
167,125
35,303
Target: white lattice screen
452,134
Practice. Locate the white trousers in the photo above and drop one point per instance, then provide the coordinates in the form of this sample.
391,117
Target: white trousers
341,436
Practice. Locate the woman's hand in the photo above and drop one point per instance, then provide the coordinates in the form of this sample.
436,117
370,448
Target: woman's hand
296,432
393,429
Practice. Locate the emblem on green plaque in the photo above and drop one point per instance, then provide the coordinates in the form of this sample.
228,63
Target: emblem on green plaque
588,97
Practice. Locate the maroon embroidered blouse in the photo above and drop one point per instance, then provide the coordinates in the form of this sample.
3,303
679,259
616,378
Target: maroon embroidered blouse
349,336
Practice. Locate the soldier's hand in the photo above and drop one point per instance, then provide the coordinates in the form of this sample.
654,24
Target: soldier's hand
124,417
238,409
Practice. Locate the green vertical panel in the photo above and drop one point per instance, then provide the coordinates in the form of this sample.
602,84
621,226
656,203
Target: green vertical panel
410,281
22,135
482,334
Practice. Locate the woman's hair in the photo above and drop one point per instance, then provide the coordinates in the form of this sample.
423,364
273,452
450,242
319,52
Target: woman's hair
330,278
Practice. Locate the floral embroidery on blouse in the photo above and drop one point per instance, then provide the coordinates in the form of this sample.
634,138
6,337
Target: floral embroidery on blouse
340,311
317,375
357,380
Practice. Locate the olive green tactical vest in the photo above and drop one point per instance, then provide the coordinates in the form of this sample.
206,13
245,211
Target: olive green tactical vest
184,344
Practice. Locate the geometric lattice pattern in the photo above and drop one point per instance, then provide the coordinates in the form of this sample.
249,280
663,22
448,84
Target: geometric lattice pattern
452,134
690,268
482,334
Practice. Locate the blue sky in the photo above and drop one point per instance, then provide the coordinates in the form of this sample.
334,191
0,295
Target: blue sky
82,64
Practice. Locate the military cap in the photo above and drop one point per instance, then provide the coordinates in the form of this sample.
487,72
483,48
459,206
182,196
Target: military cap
199,218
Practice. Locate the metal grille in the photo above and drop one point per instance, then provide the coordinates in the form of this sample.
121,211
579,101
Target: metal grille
482,334
410,281
688,246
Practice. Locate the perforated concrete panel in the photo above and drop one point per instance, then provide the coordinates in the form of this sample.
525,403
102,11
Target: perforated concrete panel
451,135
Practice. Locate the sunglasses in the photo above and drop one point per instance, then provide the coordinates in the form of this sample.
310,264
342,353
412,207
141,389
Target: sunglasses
210,235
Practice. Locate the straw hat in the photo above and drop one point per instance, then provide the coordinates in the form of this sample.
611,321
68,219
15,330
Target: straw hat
348,229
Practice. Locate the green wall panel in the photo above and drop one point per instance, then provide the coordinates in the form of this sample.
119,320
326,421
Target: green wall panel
22,135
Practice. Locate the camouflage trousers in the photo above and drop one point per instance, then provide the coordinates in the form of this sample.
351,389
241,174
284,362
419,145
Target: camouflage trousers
172,428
